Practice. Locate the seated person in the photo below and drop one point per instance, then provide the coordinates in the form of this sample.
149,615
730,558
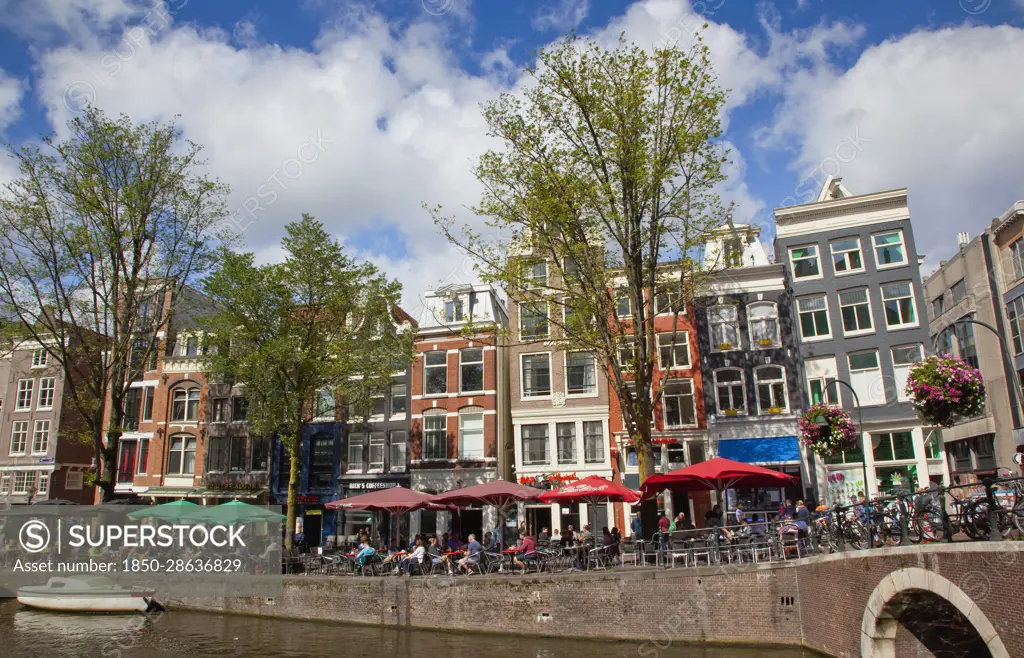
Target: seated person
435,553
555,538
489,543
471,554
416,557
585,536
683,522
454,543
713,517
526,549
544,537
366,553
569,537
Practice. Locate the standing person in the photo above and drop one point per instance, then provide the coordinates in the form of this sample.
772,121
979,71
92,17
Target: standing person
636,527
663,526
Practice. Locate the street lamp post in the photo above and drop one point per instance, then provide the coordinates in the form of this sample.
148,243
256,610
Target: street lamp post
820,421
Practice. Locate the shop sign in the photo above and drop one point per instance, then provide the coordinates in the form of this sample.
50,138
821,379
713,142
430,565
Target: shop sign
307,499
557,479
373,484
314,512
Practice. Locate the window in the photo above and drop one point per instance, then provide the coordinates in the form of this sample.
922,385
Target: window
627,352
325,404
285,468
24,399
903,358
43,489
471,434
143,465
471,369
580,374
846,256
696,449
813,312
219,410
535,444
398,400
821,372
355,453
239,408
128,455
19,437
236,448
866,379
399,445
593,441
533,320
378,442
132,405
191,346
898,299
678,401
729,390
1015,313
453,310
435,373
674,355
725,327
763,321
566,437
185,405
959,291
41,437
435,436
855,307
39,357
570,266
889,251
378,406
939,305
805,262
1016,258
771,389
21,481
5,483
668,301
574,320
967,349
623,305
537,274
321,461
148,394
536,375
181,458
258,456
893,446
141,357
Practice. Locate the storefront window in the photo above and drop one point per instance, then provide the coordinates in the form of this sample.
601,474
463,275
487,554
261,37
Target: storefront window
892,446
891,478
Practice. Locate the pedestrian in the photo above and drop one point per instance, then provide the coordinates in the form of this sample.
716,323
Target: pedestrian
636,526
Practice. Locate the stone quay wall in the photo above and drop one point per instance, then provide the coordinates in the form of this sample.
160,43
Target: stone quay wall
816,602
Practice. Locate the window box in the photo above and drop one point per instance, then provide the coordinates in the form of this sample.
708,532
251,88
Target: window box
775,410
766,342
725,346
731,412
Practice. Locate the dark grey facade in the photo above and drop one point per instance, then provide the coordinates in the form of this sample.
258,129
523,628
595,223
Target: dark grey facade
860,317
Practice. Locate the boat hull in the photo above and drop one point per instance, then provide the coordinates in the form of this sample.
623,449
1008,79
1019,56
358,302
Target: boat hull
84,603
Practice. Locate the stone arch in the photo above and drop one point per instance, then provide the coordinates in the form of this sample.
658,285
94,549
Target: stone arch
934,610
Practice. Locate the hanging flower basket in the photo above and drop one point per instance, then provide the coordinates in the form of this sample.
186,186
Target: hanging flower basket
825,440
945,389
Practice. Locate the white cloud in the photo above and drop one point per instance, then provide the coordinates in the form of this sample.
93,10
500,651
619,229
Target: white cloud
46,20
10,99
937,112
561,15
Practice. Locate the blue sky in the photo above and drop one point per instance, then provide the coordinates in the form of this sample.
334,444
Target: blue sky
383,98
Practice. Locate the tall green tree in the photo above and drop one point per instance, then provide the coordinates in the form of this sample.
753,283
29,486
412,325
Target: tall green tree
318,321
603,192
96,234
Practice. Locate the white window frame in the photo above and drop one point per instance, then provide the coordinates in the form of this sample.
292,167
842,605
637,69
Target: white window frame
682,342
817,257
901,372
185,438
828,319
5,483
19,428
47,389
715,319
474,412
356,466
443,418
404,397
43,484
565,369
771,383
777,338
620,295
21,489
26,391
603,442
396,438
463,363
533,278
458,311
743,391
845,254
626,342
546,458
903,249
377,440
547,320
426,372
1016,250
39,357
522,378
41,430
865,397
1015,317
664,401
913,306
574,459
871,314
823,369
672,299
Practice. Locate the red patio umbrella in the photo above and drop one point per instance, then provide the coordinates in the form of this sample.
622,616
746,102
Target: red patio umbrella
591,490
499,493
396,500
718,473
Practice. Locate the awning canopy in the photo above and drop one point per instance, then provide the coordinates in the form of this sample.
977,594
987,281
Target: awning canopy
771,450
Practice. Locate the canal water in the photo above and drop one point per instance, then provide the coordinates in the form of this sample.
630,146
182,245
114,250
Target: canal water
29,634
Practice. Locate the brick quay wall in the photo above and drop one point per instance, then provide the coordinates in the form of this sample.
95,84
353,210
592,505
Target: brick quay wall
816,602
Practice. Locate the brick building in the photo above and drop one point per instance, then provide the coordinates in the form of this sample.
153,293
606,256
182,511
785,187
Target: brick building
39,459
460,432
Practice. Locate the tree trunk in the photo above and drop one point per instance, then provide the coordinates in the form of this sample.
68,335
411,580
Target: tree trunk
294,450
644,448
106,466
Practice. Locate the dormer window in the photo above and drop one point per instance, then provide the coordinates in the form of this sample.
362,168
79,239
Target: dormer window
453,310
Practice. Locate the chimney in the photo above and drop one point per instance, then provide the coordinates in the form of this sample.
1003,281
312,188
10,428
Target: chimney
962,238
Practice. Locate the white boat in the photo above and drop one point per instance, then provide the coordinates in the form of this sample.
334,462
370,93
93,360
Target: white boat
86,594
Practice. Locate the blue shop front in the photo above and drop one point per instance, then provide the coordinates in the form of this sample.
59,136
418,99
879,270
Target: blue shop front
320,452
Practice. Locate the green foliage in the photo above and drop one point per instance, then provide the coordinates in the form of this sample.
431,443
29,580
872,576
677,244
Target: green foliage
318,321
96,227
608,173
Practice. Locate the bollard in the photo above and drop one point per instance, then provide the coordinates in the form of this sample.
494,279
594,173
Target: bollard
904,530
993,516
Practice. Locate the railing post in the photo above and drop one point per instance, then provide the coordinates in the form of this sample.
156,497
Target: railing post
993,516
841,539
947,525
904,531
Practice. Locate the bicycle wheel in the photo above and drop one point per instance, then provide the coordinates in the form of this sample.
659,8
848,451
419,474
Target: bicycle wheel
856,534
926,527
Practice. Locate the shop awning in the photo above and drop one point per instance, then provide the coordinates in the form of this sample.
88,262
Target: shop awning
771,450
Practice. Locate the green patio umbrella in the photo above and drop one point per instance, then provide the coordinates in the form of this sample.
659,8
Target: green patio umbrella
237,512
177,511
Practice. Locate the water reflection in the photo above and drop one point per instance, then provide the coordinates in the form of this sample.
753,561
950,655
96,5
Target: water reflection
26,633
